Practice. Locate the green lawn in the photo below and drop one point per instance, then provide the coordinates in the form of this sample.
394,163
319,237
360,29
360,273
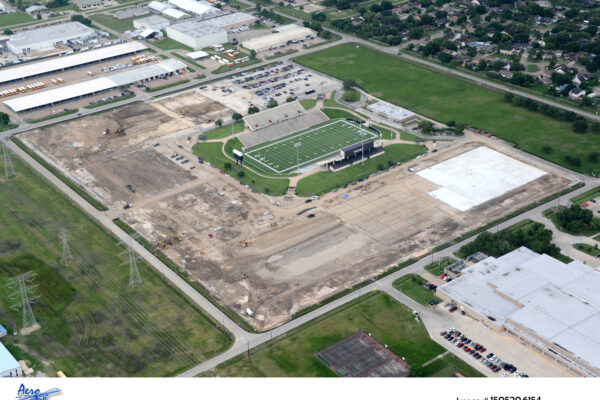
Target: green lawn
412,286
103,103
587,196
188,60
225,68
119,25
223,131
52,116
448,366
587,249
552,217
437,268
532,68
308,104
212,153
317,143
323,182
330,102
293,354
444,98
92,323
170,44
18,17
168,85
334,113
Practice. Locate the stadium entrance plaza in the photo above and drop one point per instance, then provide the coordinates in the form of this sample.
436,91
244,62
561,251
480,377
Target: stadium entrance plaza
292,262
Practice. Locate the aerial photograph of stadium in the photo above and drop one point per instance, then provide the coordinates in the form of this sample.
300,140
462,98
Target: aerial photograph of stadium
299,188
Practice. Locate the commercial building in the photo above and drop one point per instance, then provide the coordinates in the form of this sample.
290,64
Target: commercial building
283,37
392,112
94,86
53,65
550,306
42,39
195,7
9,367
174,13
209,30
155,22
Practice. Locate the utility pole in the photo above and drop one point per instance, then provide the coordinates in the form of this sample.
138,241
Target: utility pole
9,169
66,251
24,296
362,145
297,146
134,274
232,121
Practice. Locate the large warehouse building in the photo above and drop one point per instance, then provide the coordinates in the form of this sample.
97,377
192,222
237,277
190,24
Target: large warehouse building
196,7
392,112
42,39
285,35
87,88
32,70
199,34
551,306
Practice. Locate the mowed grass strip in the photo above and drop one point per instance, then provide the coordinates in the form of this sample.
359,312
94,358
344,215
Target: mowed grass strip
281,155
92,324
412,286
443,98
293,355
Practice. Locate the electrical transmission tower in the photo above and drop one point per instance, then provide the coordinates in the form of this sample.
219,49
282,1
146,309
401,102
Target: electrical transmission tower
134,274
9,169
66,251
24,296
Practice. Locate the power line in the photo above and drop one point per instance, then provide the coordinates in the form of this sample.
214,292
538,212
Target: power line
9,169
135,279
25,296
66,251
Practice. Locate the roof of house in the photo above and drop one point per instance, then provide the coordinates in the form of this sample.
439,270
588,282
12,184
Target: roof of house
7,361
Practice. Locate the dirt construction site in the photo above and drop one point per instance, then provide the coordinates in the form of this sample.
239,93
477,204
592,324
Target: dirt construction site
261,256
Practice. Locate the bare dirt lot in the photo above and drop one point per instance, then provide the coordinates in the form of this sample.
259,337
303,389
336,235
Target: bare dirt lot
196,108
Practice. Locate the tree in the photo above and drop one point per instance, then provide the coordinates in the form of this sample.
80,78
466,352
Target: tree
445,58
81,19
252,53
451,123
460,127
272,103
219,123
236,116
227,165
426,127
580,126
253,110
593,156
586,102
349,84
4,118
319,17
546,149
241,174
8,32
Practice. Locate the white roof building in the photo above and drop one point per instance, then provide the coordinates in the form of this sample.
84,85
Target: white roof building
36,8
9,367
65,93
277,39
155,22
196,7
159,6
174,13
391,111
552,305
31,70
47,38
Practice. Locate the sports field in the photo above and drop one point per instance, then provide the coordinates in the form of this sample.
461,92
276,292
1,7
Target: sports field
281,156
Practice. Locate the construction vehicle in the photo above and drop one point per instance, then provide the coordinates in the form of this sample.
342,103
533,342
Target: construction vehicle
244,243
183,111
175,237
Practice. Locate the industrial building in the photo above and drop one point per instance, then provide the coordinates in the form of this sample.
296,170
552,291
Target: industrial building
285,35
174,13
392,112
94,86
53,65
549,306
201,33
9,367
195,7
155,22
42,39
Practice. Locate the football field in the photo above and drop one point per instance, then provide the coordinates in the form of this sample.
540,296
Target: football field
281,156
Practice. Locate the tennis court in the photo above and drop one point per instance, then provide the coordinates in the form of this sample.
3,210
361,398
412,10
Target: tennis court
281,156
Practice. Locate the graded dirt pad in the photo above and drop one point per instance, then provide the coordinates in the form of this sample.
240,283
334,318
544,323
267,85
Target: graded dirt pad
196,108
105,163
293,261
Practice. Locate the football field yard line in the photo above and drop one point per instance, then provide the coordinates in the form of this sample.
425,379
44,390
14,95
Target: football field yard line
336,135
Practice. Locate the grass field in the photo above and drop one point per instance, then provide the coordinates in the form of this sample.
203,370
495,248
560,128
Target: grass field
412,286
325,181
18,17
120,25
437,268
92,324
170,44
590,194
308,104
317,143
223,131
387,320
587,249
448,366
444,98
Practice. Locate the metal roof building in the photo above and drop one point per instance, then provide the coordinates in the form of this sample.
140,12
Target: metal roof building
276,39
196,7
70,92
65,62
391,111
174,13
552,306
9,367
48,37
196,34
153,22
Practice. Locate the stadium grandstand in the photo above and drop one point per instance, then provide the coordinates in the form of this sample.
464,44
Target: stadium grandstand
274,115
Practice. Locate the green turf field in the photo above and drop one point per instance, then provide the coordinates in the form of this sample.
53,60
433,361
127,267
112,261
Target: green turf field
281,156
444,98
92,324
